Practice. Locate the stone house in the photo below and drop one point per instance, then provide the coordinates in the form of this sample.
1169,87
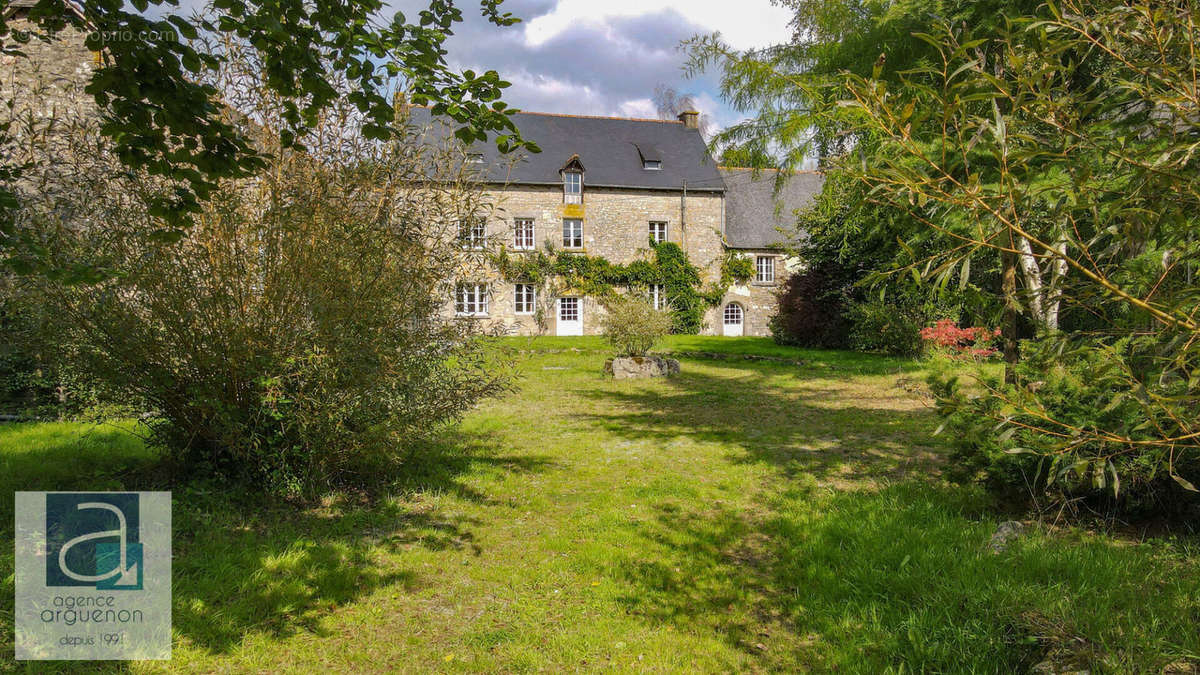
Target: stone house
601,186
607,187
760,218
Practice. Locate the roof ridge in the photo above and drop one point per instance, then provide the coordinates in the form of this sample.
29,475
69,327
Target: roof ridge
518,111
596,117
751,168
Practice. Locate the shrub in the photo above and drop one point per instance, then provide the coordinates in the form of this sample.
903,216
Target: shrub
888,327
894,324
1036,440
36,380
948,338
633,326
25,382
297,335
811,310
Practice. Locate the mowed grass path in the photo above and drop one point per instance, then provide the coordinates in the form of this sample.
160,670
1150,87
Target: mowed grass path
744,516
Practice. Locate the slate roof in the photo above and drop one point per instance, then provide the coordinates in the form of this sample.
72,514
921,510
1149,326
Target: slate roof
755,214
21,8
611,150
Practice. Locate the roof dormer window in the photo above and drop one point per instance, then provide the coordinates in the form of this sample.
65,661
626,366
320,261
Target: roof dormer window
572,175
651,158
572,187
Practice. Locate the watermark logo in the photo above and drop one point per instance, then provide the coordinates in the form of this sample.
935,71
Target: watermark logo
93,575
92,541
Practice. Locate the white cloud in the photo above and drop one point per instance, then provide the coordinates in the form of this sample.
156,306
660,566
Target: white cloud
745,24
544,93
638,107
606,57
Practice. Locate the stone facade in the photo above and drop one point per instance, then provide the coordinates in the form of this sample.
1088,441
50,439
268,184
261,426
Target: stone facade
45,85
46,88
756,299
615,226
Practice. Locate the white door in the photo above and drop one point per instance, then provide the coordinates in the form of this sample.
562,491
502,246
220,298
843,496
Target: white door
570,317
733,320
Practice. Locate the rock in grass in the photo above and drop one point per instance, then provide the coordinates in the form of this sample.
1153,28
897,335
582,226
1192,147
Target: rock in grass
628,367
1006,533
1050,668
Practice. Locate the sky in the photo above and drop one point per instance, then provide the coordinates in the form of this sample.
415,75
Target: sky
605,57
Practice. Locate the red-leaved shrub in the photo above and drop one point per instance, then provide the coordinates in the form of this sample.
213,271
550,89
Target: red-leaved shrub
971,342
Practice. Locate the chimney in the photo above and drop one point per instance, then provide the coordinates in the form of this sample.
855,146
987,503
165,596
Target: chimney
690,119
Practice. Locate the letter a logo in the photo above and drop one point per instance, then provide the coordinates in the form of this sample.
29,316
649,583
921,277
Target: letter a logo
92,539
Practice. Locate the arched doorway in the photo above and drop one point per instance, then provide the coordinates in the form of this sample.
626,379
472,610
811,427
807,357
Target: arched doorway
732,320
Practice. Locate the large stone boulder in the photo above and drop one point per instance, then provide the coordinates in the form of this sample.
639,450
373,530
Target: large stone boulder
627,367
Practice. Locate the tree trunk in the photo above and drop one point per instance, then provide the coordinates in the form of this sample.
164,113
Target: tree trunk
1054,291
1033,280
1008,328
1044,297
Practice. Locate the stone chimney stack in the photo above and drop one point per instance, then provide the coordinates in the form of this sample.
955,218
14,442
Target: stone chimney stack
690,119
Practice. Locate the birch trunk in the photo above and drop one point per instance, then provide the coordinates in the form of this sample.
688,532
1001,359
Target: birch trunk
1044,295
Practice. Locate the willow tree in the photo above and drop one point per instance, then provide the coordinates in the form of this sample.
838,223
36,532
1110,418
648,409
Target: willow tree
299,336
1068,141
164,118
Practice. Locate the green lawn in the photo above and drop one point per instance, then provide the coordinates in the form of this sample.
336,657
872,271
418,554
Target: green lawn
744,515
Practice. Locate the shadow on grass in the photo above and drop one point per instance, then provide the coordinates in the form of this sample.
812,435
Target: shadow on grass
895,576
900,579
246,564
832,426
734,349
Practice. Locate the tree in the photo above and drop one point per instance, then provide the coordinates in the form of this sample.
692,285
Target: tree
747,156
670,103
1071,150
794,93
163,118
791,90
298,336
1058,138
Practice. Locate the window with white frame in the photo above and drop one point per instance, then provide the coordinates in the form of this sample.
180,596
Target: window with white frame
572,187
524,298
733,314
764,269
568,309
572,233
471,299
658,231
658,296
472,233
523,234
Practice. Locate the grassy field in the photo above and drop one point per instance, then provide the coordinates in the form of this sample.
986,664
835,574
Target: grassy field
744,515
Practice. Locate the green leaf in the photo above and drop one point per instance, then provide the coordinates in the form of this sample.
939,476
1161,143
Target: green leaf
1184,482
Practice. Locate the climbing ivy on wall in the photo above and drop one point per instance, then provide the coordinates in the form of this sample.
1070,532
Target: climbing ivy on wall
597,277
737,268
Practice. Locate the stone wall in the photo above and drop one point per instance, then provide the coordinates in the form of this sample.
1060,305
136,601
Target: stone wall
758,300
615,227
46,84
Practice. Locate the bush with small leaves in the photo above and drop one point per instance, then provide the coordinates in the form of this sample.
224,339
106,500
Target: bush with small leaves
298,337
633,326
